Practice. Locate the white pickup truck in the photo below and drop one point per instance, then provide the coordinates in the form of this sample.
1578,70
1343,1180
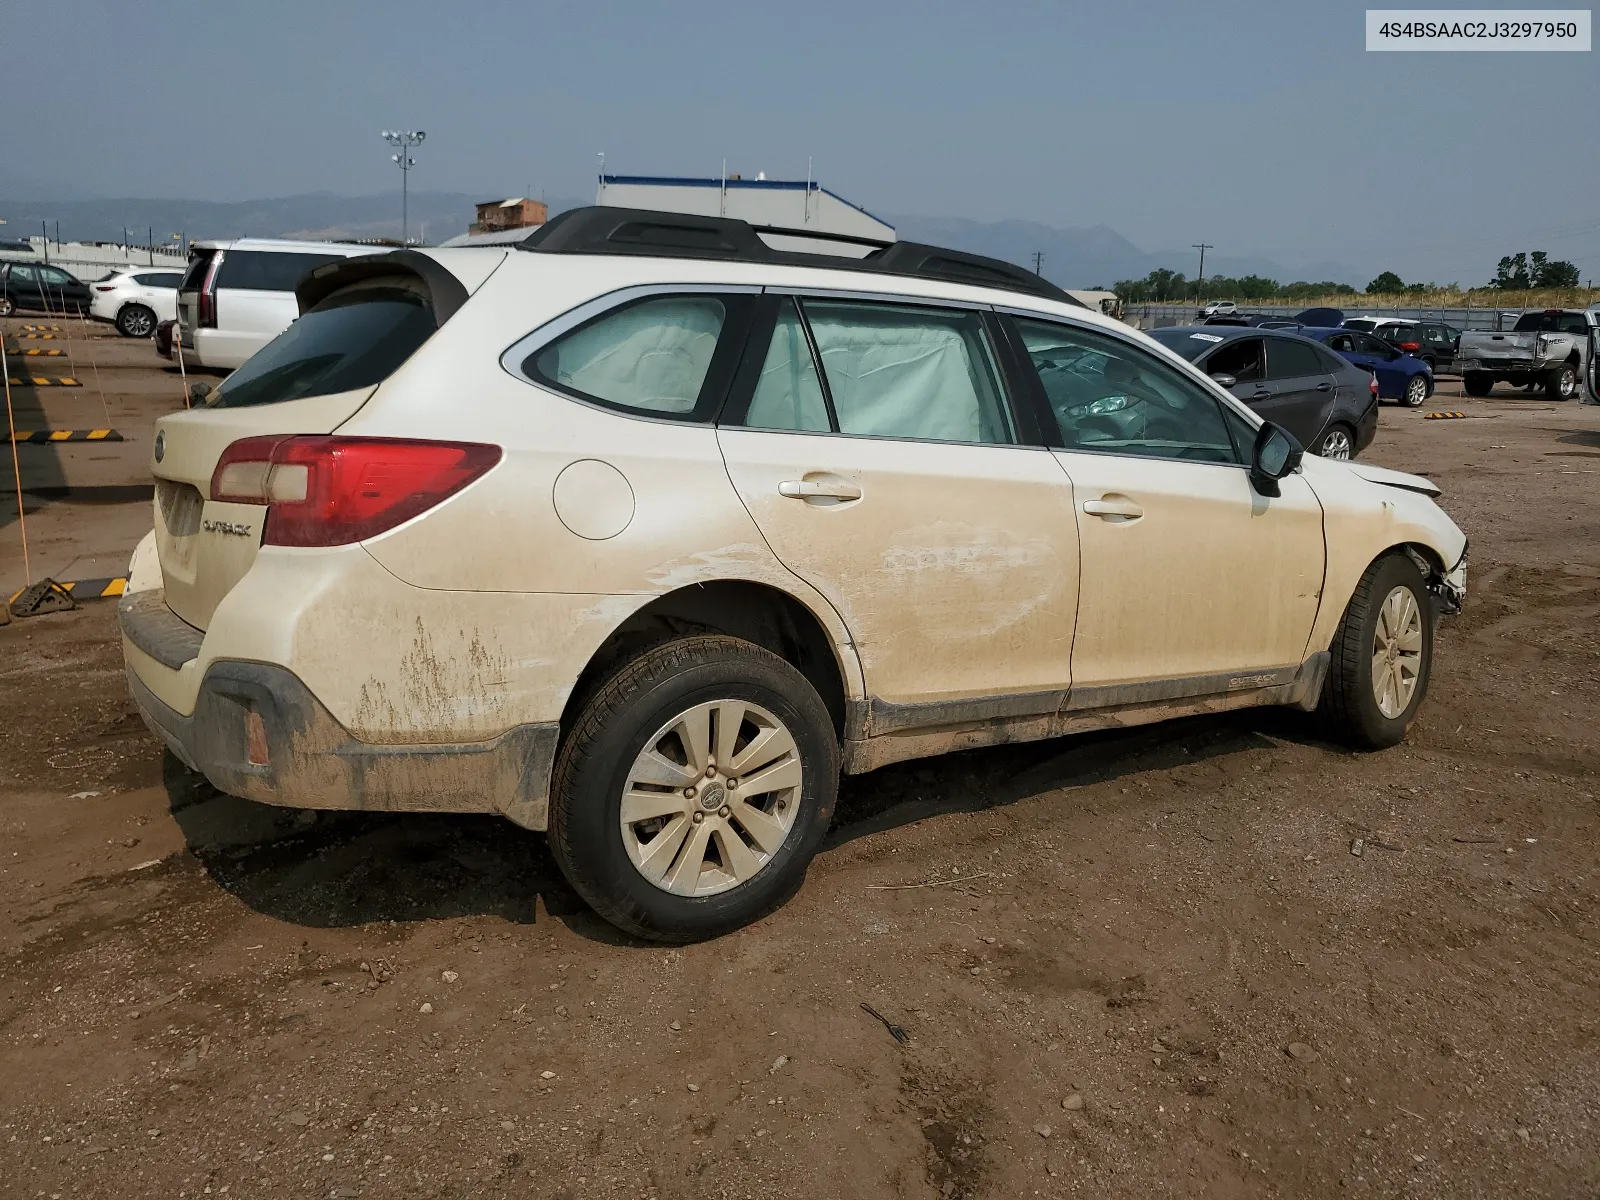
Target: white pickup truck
1555,347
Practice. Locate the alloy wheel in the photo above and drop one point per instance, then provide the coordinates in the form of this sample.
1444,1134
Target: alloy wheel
1397,652
1335,444
711,798
1416,392
138,322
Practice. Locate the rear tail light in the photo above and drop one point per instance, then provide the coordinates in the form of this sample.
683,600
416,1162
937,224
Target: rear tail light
331,491
1372,385
206,302
105,287
1410,347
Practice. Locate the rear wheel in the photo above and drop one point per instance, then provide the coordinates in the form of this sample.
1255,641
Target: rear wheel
1338,442
136,321
1382,656
1416,391
7,306
693,789
1477,383
1562,383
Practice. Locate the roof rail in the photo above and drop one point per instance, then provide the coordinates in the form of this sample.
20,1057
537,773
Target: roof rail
645,232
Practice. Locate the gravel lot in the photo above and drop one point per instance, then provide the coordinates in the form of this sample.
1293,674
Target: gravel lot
1144,964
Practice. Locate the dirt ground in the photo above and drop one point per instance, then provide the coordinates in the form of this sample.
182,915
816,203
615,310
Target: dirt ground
1145,964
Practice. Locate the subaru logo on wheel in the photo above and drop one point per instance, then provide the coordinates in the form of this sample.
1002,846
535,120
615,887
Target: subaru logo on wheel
161,446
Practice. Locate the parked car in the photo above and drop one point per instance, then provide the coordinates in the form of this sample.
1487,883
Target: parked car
1403,377
1555,347
1218,308
719,521
237,296
1433,342
136,299
1327,403
40,287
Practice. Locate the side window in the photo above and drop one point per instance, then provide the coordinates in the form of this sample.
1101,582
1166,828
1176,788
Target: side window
1345,343
22,273
789,394
1113,397
1331,363
54,276
651,357
1371,345
1433,333
1288,359
905,372
267,271
1242,358
160,279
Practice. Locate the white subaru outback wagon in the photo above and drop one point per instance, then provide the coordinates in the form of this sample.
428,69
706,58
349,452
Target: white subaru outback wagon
642,531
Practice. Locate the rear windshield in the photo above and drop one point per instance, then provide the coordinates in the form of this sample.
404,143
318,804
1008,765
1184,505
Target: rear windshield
268,270
199,260
1550,323
1365,324
1186,343
355,338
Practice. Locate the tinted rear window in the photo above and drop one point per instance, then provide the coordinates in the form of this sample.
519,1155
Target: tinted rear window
1361,323
1550,323
199,260
354,339
267,271
160,279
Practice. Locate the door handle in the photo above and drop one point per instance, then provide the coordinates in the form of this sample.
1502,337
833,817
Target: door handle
818,489
1113,508
1261,393
1324,386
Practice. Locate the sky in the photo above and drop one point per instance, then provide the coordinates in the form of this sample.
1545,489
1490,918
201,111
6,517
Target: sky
1260,128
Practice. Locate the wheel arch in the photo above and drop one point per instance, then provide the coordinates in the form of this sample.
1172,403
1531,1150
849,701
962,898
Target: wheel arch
755,612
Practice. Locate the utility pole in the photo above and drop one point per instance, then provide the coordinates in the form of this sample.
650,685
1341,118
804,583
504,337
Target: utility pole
1201,281
403,140
1038,260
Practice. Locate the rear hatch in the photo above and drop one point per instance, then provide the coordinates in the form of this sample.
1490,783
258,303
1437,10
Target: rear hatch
361,319
1499,347
199,274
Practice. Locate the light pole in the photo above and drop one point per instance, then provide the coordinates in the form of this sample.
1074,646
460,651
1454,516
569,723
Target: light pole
1200,283
403,140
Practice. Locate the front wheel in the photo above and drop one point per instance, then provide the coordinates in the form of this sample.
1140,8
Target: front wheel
1477,383
1416,391
1562,383
693,789
1382,656
7,306
1338,442
136,321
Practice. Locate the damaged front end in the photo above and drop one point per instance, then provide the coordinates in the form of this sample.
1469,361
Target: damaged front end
1448,588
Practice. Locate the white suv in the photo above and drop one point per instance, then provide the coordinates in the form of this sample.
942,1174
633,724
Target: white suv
238,295
136,299
641,532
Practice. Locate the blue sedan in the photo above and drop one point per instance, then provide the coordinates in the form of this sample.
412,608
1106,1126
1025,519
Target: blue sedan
1400,376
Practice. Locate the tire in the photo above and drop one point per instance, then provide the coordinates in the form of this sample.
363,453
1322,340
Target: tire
8,306
1477,383
1562,383
1351,706
1417,391
136,321
696,884
1432,365
1337,442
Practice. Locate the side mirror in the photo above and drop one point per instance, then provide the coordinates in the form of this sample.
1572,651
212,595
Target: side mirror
1276,454
198,392
1224,380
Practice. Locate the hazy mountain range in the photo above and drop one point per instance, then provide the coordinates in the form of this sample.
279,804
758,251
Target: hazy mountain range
1073,257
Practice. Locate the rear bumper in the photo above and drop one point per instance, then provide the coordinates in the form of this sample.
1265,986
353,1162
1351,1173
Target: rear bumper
258,732
1505,367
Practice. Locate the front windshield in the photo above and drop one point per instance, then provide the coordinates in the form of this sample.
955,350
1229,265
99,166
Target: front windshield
353,339
1185,342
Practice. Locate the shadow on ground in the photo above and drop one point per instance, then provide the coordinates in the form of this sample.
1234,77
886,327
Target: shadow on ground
332,869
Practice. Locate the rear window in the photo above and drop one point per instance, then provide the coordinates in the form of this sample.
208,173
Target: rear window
355,338
1362,323
266,270
199,261
1556,322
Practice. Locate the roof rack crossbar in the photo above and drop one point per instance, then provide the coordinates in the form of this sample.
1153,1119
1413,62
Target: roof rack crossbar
644,232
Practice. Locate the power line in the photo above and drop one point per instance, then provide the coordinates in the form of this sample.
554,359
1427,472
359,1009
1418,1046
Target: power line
1201,278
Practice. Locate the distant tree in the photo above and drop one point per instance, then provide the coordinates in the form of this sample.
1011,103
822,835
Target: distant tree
1547,274
1386,285
1512,274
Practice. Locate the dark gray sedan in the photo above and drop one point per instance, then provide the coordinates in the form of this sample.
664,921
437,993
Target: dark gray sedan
1329,404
